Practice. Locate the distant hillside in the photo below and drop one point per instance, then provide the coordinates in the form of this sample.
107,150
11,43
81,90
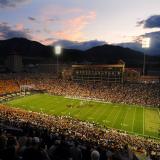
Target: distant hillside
111,54
23,47
100,54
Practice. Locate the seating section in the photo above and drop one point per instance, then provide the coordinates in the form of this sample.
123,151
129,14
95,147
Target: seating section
141,94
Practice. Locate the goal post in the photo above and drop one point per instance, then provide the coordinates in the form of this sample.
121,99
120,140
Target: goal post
25,88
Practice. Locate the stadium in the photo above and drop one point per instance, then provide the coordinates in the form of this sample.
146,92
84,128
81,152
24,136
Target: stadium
92,105
79,80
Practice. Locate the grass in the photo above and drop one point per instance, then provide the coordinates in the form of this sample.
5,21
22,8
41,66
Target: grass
134,119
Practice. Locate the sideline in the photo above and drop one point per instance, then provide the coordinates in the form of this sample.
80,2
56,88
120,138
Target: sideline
88,99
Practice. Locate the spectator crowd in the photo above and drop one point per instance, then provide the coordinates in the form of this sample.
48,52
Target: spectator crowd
141,94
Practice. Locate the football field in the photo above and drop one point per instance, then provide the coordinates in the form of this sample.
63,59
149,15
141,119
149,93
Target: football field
131,118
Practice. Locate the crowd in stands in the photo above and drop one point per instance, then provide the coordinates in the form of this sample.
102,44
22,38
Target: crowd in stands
8,86
36,136
141,94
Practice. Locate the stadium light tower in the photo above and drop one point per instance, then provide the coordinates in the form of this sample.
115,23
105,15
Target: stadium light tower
57,51
145,45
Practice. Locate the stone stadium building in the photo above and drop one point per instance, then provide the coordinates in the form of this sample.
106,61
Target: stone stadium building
98,73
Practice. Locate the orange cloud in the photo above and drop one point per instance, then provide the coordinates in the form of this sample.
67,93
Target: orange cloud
81,21
69,35
58,22
19,27
48,41
73,28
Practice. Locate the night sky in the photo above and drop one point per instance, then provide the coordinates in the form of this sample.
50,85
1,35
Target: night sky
122,22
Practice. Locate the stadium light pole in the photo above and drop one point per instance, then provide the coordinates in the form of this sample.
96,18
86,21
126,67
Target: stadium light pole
57,51
145,45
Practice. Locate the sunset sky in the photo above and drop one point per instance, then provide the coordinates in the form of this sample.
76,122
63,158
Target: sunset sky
47,21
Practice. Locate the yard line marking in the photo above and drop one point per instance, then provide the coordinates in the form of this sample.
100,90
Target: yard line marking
88,113
110,112
117,115
124,124
133,118
90,118
143,121
116,106
105,114
106,121
158,113
124,119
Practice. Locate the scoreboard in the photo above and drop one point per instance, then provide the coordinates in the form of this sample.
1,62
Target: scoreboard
98,73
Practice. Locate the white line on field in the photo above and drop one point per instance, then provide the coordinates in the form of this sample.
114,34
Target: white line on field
117,115
125,118
90,118
109,113
116,106
133,118
158,113
143,121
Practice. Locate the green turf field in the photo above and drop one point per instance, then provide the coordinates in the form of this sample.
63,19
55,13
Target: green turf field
131,118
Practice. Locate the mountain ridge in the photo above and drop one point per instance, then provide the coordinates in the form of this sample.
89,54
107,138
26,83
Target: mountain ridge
103,54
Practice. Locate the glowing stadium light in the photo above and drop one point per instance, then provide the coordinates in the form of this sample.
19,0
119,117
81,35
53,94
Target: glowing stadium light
145,44
58,50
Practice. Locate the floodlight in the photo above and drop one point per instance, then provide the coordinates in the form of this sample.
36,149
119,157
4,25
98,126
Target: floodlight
58,49
146,42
